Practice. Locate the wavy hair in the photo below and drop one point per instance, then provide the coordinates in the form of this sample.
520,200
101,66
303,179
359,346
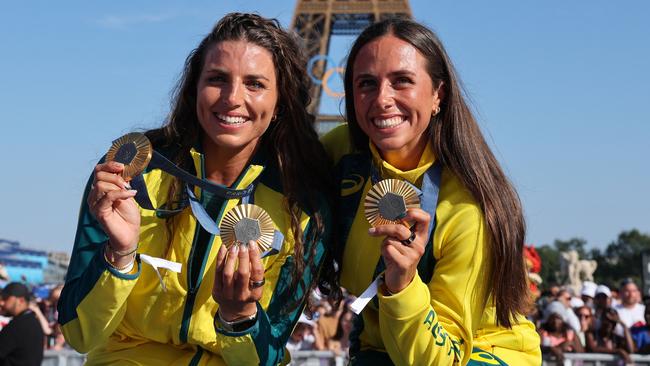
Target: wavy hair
290,140
460,146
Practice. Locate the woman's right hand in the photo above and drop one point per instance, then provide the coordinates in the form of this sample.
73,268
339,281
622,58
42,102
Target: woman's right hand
402,258
113,206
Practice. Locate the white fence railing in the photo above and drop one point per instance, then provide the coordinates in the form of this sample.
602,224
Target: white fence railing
317,358
596,359
328,358
63,358
302,358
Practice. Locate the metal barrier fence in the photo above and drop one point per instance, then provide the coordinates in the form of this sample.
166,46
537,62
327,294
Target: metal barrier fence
63,358
596,359
298,358
317,358
328,358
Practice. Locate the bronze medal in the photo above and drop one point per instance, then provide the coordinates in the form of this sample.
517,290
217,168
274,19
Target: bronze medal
134,151
387,202
245,223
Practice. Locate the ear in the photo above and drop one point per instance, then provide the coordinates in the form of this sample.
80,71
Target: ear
276,112
438,96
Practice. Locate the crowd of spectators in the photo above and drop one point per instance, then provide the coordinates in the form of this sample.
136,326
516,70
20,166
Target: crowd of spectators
24,319
597,320
326,329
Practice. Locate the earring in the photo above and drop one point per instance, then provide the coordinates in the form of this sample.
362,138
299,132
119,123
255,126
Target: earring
275,117
436,111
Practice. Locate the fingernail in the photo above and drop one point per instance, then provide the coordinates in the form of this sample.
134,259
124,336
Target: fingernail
127,186
133,191
372,230
117,164
235,249
244,248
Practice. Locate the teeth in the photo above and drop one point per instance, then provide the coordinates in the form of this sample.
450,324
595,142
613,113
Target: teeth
231,119
389,122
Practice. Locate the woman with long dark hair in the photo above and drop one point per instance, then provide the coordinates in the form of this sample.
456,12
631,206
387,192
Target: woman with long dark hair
451,275
238,123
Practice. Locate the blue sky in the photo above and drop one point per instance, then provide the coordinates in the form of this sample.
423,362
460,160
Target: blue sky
560,89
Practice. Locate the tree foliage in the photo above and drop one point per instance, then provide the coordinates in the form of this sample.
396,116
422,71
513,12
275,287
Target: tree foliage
620,259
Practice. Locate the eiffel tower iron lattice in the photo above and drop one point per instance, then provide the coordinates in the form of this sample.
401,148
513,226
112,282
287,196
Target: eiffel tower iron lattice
316,21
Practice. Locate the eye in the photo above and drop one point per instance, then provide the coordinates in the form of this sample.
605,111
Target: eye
255,84
365,83
213,79
403,80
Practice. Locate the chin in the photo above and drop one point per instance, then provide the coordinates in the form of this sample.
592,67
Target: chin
389,144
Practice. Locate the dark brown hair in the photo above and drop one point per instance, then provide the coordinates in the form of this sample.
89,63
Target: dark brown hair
460,146
290,140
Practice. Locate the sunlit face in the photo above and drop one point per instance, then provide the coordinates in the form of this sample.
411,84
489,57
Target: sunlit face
394,97
630,294
236,95
584,314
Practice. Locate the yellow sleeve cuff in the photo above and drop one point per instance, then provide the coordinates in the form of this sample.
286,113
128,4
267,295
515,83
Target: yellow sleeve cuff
409,302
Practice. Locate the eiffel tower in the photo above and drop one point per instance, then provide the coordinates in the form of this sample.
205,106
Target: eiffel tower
316,21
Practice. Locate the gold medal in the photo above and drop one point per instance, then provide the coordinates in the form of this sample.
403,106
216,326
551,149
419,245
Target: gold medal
245,223
387,202
134,151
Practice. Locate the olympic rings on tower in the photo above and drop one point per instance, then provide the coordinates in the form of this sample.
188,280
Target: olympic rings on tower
324,81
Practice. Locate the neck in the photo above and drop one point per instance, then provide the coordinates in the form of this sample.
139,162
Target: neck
406,158
223,166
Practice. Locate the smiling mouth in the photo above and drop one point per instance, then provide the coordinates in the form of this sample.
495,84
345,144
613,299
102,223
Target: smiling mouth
230,120
388,122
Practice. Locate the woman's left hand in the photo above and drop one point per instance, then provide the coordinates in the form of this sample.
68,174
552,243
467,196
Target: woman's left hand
237,290
401,258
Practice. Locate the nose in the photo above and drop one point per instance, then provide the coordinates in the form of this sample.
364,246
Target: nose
234,94
385,95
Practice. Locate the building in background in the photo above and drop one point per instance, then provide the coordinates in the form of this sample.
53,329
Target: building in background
30,265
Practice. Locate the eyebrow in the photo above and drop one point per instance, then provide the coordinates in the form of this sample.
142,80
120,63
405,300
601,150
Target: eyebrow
391,74
249,76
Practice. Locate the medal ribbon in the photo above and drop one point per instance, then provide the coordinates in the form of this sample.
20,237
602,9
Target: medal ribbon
158,161
428,203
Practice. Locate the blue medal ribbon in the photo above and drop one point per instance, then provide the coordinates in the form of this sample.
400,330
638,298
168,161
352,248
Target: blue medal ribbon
158,161
428,194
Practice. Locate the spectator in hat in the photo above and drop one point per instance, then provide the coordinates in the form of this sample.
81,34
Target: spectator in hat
602,302
21,341
562,306
588,293
303,336
605,340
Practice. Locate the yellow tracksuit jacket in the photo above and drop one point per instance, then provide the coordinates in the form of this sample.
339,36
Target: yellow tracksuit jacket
447,320
128,319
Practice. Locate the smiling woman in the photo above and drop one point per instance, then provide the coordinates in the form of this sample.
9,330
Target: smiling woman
450,269
239,125
235,100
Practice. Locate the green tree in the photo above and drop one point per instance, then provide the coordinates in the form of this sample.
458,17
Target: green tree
550,265
577,244
622,258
